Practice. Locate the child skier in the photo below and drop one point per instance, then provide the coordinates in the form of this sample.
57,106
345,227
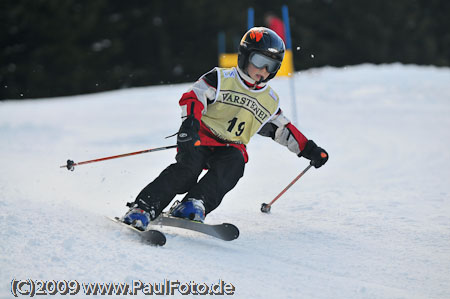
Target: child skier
221,112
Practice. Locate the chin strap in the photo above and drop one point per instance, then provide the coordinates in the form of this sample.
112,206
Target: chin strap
249,81
256,84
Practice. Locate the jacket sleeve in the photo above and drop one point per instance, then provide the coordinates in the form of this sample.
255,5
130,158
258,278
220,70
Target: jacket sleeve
196,99
280,129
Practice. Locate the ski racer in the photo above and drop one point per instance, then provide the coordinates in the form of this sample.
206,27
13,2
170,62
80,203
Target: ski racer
221,112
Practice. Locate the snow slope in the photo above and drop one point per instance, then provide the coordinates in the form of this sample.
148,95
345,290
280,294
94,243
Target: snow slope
372,223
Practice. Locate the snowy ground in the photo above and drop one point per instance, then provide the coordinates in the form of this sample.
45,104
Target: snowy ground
373,223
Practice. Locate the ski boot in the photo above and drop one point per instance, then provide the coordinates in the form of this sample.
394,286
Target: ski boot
192,209
138,217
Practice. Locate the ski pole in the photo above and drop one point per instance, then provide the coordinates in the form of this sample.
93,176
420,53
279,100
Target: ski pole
71,165
265,208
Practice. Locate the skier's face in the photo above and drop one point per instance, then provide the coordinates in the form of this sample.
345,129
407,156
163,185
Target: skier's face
256,73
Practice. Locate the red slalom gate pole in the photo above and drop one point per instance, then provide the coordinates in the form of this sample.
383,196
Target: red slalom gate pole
71,165
265,208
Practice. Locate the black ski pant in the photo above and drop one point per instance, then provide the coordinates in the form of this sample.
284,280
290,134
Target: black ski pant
225,166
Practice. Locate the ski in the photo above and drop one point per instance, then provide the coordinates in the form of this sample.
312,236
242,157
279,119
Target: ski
224,231
151,236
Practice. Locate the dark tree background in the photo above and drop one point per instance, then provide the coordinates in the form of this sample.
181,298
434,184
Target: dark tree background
65,47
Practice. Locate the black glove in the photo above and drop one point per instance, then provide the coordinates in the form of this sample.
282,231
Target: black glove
317,155
187,138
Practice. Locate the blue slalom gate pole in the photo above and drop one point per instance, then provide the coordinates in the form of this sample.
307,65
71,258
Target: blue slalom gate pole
250,18
287,29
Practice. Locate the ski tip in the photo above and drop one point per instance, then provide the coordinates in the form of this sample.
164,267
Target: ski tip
155,237
235,232
151,236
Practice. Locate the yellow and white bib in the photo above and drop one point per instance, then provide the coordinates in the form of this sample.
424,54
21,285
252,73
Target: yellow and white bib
238,112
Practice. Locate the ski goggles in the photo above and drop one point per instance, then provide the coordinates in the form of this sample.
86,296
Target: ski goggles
260,61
